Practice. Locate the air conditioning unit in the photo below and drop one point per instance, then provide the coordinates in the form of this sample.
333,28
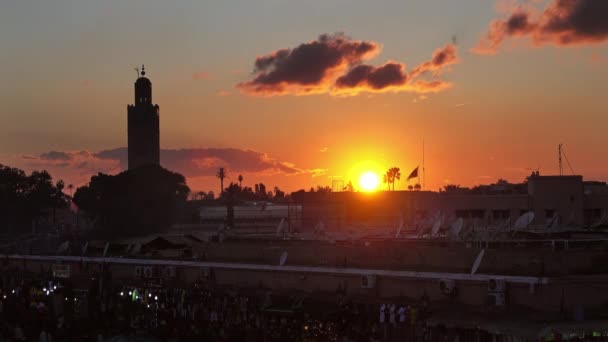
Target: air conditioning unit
497,299
139,272
447,286
169,272
148,272
205,272
497,285
368,281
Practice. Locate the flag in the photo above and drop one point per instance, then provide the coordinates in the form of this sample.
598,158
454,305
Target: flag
414,174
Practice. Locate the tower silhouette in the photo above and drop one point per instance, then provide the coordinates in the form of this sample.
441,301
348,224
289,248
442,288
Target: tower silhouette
143,125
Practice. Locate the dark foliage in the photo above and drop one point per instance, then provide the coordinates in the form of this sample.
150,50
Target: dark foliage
25,199
135,202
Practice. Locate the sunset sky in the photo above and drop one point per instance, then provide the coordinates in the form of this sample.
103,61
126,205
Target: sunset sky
299,93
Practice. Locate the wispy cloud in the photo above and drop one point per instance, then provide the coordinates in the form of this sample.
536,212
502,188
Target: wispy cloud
200,75
559,23
78,166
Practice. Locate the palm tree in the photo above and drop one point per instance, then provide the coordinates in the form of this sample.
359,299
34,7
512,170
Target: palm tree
240,181
395,173
221,174
386,179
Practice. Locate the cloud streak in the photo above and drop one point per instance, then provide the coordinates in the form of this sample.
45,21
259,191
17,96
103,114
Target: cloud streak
560,23
333,64
77,166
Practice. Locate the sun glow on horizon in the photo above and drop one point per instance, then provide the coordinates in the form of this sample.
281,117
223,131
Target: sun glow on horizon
369,181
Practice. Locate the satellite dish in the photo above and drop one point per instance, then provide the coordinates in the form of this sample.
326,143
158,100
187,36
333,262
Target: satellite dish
553,222
63,247
280,228
524,220
399,227
456,227
436,226
283,258
105,249
136,249
477,261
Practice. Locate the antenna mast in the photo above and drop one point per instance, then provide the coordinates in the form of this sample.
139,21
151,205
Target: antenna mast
561,166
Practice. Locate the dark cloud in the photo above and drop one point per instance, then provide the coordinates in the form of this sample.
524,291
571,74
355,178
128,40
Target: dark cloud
55,155
390,74
333,65
561,23
309,68
78,166
197,162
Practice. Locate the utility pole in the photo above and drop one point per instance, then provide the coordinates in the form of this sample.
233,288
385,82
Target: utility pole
561,167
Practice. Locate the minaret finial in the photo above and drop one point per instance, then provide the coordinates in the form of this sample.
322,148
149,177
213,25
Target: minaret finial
143,70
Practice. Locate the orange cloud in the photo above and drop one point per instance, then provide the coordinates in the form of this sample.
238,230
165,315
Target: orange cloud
560,23
442,58
332,65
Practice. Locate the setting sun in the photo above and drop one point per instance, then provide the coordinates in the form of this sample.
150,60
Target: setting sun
369,181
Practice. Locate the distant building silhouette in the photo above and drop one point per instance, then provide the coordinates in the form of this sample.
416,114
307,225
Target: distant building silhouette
143,126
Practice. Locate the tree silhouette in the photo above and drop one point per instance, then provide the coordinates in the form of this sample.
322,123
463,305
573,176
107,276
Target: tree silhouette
240,181
451,187
135,202
221,174
25,199
386,179
395,174
349,187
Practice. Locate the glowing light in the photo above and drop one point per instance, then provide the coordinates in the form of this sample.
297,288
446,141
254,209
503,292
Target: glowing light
369,181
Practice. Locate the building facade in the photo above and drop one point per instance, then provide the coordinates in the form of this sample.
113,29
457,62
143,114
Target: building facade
143,126
568,200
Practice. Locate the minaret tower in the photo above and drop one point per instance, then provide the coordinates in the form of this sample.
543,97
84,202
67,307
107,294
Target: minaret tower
143,125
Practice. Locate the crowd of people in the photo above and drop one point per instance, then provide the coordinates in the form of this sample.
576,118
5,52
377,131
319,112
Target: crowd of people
48,311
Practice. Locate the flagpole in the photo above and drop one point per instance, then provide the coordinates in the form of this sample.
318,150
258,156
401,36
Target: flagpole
423,170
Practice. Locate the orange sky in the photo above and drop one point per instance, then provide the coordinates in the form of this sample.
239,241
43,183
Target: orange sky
503,116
